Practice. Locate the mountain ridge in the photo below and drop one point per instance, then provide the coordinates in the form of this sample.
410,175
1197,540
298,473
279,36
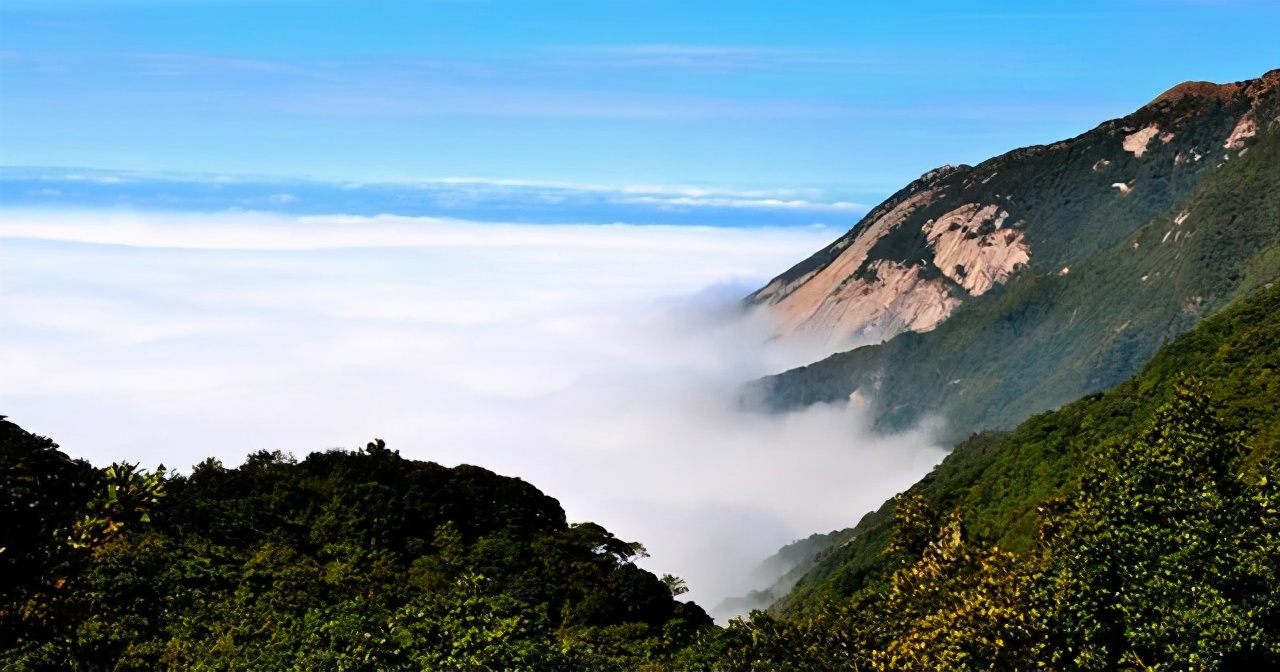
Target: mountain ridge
1067,322
1001,480
1021,252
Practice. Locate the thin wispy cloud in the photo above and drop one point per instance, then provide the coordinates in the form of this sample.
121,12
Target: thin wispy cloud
394,87
100,179
267,231
416,98
503,86
625,92
718,59
471,198
175,64
706,202
118,176
666,189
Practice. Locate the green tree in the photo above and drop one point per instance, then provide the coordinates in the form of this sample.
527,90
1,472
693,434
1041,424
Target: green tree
1170,556
675,584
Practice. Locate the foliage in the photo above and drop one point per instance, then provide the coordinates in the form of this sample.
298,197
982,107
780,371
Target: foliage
675,584
42,491
344,560
1000,480
1171,555
1142,523
130,495
1167,557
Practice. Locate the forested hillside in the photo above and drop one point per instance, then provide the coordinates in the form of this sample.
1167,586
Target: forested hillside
344,560
1136,529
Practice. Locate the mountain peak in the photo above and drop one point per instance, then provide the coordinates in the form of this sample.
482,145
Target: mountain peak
1253,87
1195,89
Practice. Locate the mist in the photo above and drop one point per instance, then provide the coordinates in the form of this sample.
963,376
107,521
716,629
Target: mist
601,363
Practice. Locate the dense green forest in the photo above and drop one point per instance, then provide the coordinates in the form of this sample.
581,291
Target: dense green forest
344,560
1136,529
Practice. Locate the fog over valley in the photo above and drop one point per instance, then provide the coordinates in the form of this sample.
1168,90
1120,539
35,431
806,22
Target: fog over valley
601,363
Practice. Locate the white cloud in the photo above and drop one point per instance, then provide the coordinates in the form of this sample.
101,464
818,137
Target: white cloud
170,64
600,363
500,186
657,189
266,231
704,202
725,59
98,179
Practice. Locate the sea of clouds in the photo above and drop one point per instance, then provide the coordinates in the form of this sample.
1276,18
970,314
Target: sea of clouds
602,363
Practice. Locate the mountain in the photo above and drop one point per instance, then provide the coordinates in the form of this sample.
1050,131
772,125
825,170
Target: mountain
779,572
1131,529
993,292
1001,480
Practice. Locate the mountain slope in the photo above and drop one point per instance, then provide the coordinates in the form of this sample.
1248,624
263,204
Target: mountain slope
1135,529
1000,480
778,573
1011,287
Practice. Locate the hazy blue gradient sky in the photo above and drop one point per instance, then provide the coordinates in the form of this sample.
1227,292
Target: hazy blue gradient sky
852,97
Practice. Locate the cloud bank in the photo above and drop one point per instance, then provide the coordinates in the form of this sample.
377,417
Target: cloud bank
600,363
450,198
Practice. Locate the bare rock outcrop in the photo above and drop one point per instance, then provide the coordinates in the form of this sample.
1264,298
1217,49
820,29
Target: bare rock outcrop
1137,142
972,247
883,302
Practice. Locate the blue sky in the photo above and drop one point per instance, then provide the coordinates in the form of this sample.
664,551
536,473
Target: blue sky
853,98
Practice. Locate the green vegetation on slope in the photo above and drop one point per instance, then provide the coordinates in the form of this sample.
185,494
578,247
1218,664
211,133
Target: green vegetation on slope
1136,529
345,560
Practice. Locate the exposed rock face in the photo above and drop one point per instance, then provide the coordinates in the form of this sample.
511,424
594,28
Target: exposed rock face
1245,128
798,297
854,297
970,247
1137,142
892,299
884,300
857,296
